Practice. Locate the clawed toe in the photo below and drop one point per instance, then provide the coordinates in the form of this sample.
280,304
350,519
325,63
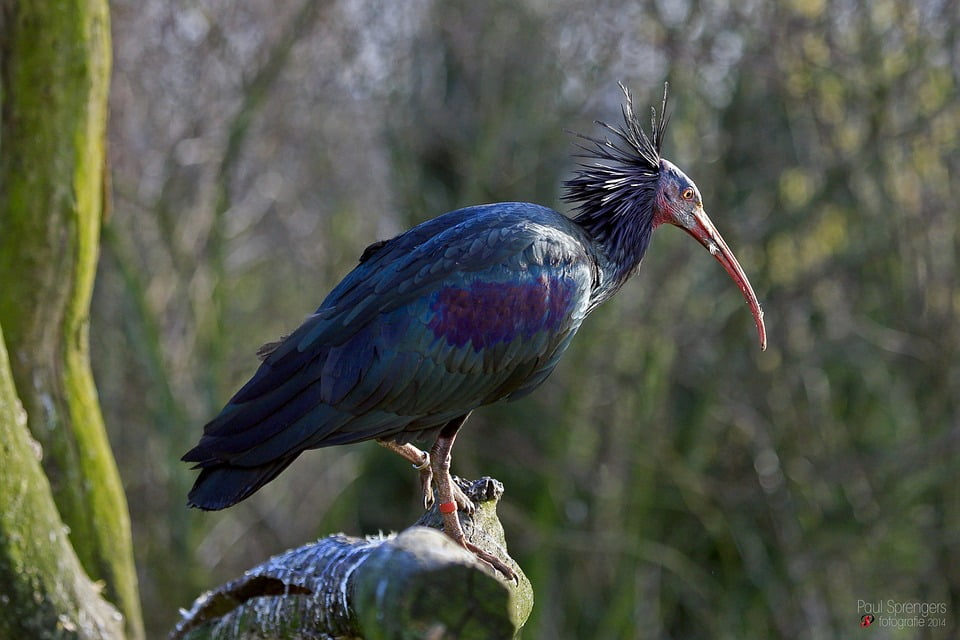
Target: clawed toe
493,561
426,488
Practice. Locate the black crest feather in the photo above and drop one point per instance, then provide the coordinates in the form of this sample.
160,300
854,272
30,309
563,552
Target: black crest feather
616,180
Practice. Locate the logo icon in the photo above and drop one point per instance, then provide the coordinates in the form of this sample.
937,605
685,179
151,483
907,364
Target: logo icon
866,620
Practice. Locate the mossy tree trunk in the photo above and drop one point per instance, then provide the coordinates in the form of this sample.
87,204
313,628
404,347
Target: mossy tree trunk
54,77
45,592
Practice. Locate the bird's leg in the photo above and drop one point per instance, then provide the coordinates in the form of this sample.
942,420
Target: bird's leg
464,503
451,496
420,461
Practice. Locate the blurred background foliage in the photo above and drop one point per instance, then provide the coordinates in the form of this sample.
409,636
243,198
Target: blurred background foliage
670,480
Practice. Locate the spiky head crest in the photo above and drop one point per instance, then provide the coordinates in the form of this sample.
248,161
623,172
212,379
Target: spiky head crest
615,183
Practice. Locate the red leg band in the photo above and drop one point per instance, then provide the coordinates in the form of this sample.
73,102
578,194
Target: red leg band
447,507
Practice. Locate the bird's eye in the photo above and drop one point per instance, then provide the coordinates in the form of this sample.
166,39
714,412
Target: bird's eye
687,194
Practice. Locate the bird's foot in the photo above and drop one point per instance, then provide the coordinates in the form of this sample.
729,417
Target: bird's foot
426,480
422,462
452,527
453,499
464,503
493,561
434,468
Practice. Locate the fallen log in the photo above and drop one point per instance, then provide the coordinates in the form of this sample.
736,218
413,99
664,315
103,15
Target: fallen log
415,584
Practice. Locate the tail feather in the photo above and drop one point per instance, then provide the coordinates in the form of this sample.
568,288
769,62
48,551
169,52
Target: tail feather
224,485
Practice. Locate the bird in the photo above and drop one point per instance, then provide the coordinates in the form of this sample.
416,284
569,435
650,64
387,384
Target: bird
466,309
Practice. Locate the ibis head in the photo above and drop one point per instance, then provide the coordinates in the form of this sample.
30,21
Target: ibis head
624,190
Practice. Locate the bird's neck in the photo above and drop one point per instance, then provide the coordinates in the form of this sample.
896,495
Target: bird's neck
620,241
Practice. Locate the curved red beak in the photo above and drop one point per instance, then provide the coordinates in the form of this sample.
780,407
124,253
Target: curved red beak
700,227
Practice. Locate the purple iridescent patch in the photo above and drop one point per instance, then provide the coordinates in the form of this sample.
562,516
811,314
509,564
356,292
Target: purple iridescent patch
486,313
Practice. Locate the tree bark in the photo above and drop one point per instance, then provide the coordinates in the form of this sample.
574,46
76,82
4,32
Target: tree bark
54,77
417,584
44,592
